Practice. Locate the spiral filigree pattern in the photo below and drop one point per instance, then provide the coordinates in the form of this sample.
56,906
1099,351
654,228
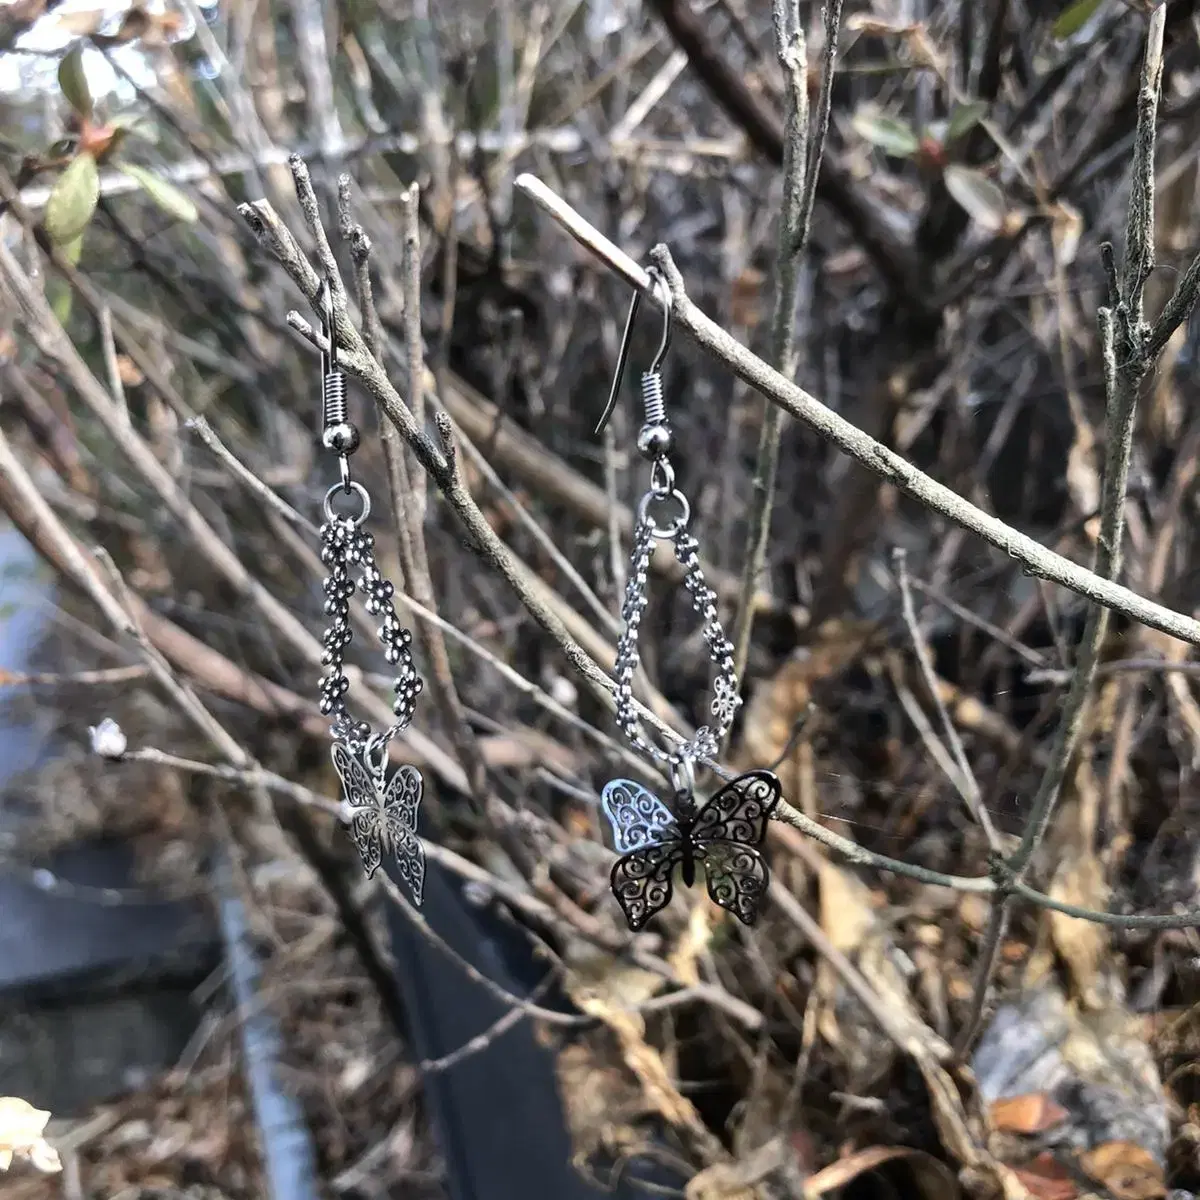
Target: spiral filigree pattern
723,837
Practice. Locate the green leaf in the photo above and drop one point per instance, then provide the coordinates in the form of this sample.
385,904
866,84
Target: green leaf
72,250
166,195
890,134
964,118
61,298
73,80
1074,17
72,200
982,199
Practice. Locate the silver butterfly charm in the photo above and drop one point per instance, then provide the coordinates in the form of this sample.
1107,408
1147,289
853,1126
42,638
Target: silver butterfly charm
722,836
383,812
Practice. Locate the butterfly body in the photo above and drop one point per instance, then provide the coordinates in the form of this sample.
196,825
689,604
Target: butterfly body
722,836
687,856
383,812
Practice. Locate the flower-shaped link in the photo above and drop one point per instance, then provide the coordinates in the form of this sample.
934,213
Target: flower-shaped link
726,700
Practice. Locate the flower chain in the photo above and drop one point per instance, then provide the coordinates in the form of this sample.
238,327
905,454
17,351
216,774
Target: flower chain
726,700
345,547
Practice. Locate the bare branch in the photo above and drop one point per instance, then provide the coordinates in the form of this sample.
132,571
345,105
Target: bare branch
963,776
792,51
1034,557
1125,366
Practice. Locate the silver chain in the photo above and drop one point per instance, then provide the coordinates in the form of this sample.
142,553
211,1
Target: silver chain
347,548
705,743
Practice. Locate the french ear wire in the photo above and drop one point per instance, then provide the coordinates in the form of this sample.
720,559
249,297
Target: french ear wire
652,387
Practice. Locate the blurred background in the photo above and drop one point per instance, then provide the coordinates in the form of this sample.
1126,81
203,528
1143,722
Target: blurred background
196,980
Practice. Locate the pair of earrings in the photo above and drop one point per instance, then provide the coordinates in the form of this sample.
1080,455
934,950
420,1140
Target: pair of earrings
652,837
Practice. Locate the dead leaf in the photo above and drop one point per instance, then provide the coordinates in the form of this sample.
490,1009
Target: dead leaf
746,298
935,1181
1083,945
659,1091
600,1103
1047,1179
1034,1112
737,1180
81,24
21,1130
846,914
1083,478
878,27
1128,1170
983,199
128,371
718,1182
694,940
1066,227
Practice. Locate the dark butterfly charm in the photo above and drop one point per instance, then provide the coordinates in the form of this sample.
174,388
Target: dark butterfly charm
383,813
722,836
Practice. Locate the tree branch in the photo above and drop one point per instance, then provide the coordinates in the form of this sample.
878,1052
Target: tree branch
802,153
893,260
1033,557
1124,338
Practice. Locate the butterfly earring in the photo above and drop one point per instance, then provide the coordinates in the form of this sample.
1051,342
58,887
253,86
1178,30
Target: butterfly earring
653,838
382,811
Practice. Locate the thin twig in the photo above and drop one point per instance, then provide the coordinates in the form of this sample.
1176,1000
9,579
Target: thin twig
914,1039
1033,557
1124,337
963,778
802,153
538,911
99,678
407,483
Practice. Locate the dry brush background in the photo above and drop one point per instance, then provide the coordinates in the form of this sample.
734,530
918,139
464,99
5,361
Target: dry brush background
930,268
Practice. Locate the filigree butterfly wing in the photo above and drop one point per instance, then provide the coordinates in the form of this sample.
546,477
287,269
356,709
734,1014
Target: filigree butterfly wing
364,800
637,816
739,811
647,836
736,877
725,835
641,880
401,800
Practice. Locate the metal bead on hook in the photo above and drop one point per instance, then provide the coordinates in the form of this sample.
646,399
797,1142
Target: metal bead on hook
655,439
337,433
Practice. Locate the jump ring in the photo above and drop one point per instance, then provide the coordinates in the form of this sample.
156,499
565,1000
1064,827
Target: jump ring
357,489
376,754
678,525
683,775
662,477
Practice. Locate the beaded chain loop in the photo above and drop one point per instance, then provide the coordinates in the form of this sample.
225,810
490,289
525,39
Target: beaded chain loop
346,546
663,514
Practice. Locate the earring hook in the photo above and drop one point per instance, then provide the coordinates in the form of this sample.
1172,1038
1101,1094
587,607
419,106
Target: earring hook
329,362
336,431
656,279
